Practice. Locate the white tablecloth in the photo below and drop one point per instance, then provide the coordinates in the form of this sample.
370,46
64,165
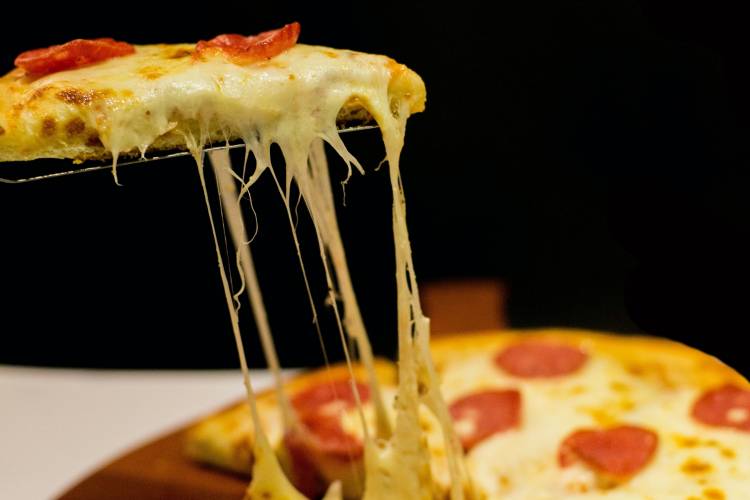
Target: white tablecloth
57,426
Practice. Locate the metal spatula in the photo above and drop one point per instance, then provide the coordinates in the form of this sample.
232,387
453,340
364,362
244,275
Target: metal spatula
140,161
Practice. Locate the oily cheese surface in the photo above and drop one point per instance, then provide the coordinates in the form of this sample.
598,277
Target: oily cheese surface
640,381
161,98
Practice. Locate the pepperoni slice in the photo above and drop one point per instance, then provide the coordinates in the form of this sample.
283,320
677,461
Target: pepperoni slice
537,359
727,406
329,397
482,414
620,451
323,436
71,55
249,49
319,408
304,474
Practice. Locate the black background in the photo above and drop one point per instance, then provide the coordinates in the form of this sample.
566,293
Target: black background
591,154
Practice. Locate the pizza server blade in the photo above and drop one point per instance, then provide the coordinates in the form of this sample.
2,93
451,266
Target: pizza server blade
145,160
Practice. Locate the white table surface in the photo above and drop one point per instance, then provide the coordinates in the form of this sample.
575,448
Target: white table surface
59,425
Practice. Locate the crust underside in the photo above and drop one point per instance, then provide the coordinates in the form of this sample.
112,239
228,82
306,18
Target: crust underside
352,114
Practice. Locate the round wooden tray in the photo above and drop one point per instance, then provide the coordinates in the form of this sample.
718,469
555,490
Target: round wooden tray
158,470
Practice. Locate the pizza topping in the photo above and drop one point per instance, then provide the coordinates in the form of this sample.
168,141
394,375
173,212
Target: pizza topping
319,410
535,359
322,435
71,55
482,414
304,473
727,406
330,439
249,49
329,397
619,451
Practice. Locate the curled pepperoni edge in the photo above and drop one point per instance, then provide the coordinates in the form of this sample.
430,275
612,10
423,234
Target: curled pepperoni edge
540,359
71,55
619,452
249,49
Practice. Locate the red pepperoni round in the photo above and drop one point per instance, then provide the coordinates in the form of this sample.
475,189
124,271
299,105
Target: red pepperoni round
329,396
620,451
538,359
485,413
73,54
304,474
322,435
248,49
330,439
727,406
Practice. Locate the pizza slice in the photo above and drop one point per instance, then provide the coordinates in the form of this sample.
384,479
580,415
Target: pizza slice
551,414
98,99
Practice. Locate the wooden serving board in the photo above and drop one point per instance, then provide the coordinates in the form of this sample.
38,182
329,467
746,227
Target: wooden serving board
160,470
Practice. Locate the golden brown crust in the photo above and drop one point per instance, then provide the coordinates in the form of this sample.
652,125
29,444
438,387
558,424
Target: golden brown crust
650,356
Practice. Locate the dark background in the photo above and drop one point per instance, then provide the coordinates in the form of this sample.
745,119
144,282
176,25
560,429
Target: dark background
593,155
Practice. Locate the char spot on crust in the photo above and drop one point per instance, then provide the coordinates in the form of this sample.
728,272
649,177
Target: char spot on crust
49,125
75,96
78,96
94,141
74,127
2,130
38,93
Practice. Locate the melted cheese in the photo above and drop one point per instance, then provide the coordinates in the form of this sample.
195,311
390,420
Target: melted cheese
231,203
289,103
331,239
399,467
268,477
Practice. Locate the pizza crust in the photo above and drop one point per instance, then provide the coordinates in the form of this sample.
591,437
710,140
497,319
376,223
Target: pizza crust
646,355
